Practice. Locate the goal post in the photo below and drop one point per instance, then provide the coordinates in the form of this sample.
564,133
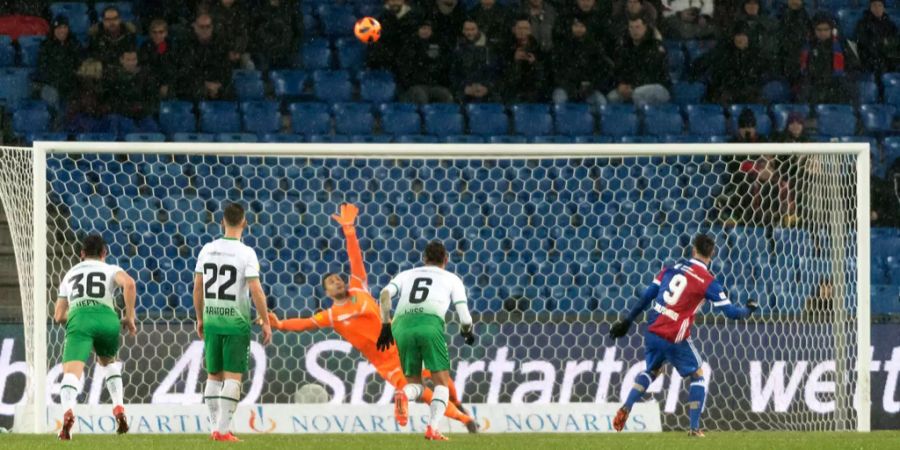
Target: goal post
568,231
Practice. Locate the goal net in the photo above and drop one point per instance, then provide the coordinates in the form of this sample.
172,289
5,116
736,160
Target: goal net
554,243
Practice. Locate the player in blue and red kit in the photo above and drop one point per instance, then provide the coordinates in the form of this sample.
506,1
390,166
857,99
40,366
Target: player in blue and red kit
677,293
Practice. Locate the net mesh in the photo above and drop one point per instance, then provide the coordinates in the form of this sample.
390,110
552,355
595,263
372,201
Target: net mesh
551,250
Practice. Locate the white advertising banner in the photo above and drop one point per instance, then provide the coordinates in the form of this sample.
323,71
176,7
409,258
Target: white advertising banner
330,418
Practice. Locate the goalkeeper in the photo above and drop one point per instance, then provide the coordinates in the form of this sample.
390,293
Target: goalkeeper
356,316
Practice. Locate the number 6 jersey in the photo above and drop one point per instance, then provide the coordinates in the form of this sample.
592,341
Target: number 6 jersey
426,290
226,264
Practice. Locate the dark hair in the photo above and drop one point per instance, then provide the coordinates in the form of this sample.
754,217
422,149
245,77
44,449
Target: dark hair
234,214
704,245
327,276
746,119
113,9
93,246
435,253
636,17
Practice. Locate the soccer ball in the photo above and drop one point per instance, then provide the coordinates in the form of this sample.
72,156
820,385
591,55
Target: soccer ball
367,30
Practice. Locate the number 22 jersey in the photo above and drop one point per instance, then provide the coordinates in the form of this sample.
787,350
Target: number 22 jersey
226,264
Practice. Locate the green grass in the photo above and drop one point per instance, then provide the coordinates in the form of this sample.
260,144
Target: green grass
667,441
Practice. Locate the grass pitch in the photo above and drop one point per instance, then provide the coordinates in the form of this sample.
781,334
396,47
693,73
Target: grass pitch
667,441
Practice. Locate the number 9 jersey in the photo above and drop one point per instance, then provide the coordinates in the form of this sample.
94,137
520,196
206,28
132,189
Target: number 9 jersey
226,264
682,290
426,290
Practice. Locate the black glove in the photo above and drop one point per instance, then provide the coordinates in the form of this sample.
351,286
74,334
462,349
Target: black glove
386,338
468,335
619,329
752,305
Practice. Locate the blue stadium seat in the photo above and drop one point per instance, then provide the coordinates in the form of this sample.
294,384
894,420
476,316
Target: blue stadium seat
145,137
867,92
662,120
401,122
507,139
45,136
249,89
76,12
96,137
353,118
618,121
781,111
573,119
219,117
32,120
698,48
236,137
15,86
416,139
443,121
351,54
336,20
176,116
371,138
288,83
532,119
685,92
193,137
377,86
310,118
29,47
675,59
316,54
556,139
338,138
891,83
7,52
847,19
705,120
877,118
836,120
463,139
283,138
332,86
261,117
763,121
126,11
638,139
776,91
487,119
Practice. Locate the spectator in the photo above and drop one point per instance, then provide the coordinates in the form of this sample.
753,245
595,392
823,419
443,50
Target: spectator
203,63
446,18
876,35
823,299
793,130
423,69
737,69
158,57
233,28
595,16
110,39
276,34
58,59
641,73
688,24
746,128
476,68
762,29
824,64
582,69
493,20
543,18
524,73
399,22
760,194
793,34
133,95
623,10
86,111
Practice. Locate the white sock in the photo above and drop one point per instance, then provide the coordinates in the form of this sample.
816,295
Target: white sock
439,404
68,392
211,396
114,383
229,398
412,391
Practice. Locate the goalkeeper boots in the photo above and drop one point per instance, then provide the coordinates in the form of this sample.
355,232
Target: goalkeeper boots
696,433
433,434
621,418
401,408
65,433
121,421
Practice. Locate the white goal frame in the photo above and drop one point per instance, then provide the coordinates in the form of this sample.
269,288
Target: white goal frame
38,371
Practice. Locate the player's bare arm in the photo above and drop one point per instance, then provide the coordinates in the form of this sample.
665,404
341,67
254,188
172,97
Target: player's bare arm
259,301
198,302
129,292
61,311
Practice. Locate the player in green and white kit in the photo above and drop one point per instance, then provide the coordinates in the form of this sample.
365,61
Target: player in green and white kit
86,305
425,293
225,279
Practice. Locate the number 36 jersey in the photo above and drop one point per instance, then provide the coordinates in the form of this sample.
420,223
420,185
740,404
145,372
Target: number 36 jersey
426,290
226,264
683,288
89,284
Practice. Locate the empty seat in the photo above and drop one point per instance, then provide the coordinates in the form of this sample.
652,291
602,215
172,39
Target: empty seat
891,83
463,139
776,91
353,118
685,93
249,89
698,48
7,52
867,92
891,150
532,119
76,12
661,120
507,139
193,137
288,83
96,137
283,138
573,119
15,86
261,117
32,120
219,117
236,137
401,122
557,139
145,137
705,120
310,118
416,139
332,86
176,116
351,54
877,118
29,47
443,122
781,111
316,55
486,119
836,120
336,20
377,86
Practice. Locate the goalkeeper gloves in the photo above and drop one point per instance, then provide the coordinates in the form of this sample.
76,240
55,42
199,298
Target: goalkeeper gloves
752,305
386,338
348,215
468,335
619,329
